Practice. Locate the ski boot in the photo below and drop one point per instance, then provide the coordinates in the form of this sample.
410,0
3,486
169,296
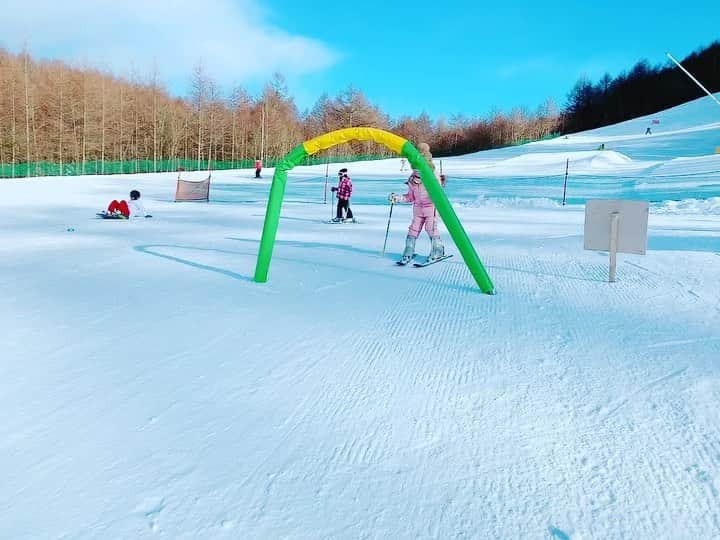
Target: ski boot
437,251
409,252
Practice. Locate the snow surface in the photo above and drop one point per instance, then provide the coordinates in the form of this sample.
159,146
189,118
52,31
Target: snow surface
151,389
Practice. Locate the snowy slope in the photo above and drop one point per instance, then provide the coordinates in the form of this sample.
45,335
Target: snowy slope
151,389
688,130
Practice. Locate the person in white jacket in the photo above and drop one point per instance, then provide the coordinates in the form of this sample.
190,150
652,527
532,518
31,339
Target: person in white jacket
135,208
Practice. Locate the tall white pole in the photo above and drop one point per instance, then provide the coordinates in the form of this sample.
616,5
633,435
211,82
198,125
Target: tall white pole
670,56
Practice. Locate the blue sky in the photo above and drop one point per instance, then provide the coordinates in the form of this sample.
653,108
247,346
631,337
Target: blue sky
462,57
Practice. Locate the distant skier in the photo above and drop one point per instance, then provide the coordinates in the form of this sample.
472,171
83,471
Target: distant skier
343,192
424,214
648,131
258,168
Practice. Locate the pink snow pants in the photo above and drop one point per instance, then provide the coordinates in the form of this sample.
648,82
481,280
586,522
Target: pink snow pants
423,215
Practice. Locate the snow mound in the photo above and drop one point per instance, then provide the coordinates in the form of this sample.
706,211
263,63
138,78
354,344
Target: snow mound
608,159
709,206
689,165
581,162
601,159
509,202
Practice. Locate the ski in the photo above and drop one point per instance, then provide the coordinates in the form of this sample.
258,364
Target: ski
105,215
428,263
335,222
401,263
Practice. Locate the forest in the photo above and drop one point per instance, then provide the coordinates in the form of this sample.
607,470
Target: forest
56,118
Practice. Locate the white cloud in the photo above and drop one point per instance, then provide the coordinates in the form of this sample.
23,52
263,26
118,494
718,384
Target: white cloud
230,37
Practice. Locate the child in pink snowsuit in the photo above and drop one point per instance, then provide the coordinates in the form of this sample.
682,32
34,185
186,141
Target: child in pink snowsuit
424,215
423,207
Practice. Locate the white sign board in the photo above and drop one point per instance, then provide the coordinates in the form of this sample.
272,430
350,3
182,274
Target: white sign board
616,226
632,223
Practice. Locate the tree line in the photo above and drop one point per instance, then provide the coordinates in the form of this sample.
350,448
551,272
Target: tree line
642,90
53,112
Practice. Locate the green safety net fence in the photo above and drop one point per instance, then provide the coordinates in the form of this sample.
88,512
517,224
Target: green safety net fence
46,168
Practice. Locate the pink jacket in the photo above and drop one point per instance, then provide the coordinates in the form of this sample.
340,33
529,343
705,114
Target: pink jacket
344,189
417,194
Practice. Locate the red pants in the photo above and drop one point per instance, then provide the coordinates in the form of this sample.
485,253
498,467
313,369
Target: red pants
122,206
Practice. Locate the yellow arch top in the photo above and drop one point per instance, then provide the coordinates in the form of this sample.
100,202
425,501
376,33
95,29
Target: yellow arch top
328,140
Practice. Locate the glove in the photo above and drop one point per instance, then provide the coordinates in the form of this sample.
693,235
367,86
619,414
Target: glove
391,198
334,188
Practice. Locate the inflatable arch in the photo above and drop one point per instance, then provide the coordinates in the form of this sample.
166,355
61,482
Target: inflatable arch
398,145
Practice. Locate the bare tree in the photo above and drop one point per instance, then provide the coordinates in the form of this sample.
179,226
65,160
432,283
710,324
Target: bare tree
61,120
26,74
154,114
199,97
84,118
14,127
102,137
76,115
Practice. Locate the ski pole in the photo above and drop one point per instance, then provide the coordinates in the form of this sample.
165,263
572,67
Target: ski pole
327,168
567,166
392,203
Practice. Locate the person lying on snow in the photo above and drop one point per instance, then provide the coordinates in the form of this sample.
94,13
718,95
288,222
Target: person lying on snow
124,210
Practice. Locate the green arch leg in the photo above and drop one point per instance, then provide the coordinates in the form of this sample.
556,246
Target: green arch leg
445,209
272,214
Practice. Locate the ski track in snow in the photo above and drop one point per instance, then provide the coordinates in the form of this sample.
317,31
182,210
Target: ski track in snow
447,405
432,388
449,427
